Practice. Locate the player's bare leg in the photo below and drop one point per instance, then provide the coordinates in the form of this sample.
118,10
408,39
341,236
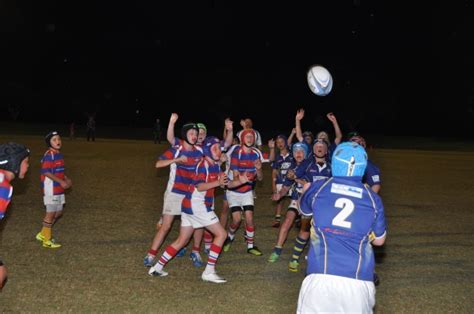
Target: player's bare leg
282,235
185,234
167,222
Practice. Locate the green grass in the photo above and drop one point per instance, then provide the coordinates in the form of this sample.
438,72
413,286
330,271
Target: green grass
426,266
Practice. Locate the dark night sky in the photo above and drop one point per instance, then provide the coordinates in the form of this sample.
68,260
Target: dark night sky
392,63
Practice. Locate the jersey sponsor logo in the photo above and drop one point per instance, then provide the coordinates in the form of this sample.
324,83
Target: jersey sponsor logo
376,178
346,190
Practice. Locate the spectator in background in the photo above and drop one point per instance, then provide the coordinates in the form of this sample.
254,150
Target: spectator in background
90,128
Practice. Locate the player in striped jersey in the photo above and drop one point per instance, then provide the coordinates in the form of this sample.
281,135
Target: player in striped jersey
54,182
14,163
198,211
244,160
182,160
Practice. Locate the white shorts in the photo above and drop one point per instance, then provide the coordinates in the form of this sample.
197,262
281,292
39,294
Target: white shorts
278,189
54,199
240,199
328,293
199,219
172,203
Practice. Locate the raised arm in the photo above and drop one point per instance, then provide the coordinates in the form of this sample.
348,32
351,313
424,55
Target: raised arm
299,116
290,138
228,132
337,130
170,132
271,146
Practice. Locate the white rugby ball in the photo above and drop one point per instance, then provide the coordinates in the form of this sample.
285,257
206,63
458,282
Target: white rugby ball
319,80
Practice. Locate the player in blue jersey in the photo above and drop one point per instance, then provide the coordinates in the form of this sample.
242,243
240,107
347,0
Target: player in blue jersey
314,168
372,172
280,167
341,261
294,186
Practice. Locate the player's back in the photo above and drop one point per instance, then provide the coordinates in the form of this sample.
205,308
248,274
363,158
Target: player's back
344,213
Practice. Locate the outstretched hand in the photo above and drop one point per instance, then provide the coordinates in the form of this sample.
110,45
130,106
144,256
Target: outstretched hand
174,117
300,114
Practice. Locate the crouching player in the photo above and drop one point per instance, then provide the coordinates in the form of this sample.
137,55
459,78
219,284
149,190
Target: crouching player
14,162
198,212
341,260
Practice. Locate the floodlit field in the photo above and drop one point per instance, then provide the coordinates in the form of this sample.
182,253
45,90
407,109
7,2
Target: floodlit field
427,264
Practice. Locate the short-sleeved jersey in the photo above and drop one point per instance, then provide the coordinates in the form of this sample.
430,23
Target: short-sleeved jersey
315,171
345,212
6,191
372,174
181,175
242,161
52,162
205,173
282,164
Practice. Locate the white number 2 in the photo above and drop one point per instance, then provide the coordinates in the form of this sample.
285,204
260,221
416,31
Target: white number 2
347,208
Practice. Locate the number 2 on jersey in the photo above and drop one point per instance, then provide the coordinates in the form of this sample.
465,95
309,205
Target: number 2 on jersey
347,208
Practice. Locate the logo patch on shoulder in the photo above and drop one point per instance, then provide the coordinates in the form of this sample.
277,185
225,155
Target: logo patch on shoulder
346,190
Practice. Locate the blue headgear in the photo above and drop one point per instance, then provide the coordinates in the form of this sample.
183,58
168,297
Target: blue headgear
300,145
349,160
283,137
206,146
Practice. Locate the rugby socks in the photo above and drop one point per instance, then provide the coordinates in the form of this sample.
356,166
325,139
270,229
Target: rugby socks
46,230
232,229
298,248
168,255
152,252
212,259
195,249
278,218
277,250
207,240
249,234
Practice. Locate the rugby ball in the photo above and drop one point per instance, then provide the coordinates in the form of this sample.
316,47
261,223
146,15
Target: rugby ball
319,80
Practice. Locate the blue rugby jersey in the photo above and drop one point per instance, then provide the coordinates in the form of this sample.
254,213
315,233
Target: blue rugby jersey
345,212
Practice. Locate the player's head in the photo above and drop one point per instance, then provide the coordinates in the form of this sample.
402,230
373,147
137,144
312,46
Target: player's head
358,139
202,132
320,148
349,160
53,140
248,123
281,142
212,148
300,151
323,135
14,158
247,137
308,137
189,133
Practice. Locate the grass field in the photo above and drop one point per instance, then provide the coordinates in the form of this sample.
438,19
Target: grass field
426,266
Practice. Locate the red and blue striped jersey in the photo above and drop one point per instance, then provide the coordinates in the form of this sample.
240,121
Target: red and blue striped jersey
52,162
182,175
6,191
205,173
245,162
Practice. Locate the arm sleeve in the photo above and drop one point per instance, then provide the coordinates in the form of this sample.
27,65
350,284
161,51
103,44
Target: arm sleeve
380,226
168,154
